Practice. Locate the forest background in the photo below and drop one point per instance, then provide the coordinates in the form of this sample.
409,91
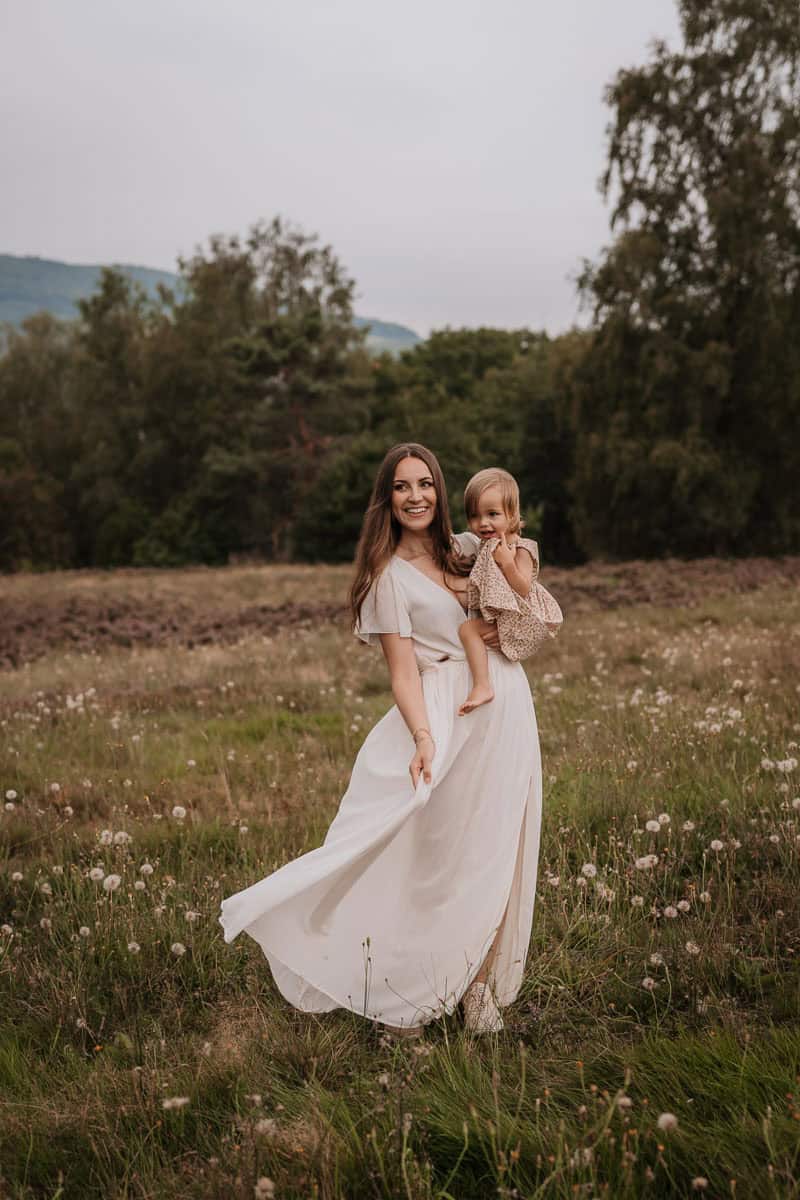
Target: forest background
241,416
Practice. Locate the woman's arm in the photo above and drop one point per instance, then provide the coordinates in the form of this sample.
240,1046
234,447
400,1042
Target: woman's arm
407,691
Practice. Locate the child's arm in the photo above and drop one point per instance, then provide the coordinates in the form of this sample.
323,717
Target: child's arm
516,565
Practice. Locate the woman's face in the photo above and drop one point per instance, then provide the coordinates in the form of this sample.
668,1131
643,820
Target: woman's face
413,495
490,520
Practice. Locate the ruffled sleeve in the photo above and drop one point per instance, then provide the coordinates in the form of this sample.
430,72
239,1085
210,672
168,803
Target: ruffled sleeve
384,610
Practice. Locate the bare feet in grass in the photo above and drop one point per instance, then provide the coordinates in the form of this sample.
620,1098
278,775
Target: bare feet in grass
480,694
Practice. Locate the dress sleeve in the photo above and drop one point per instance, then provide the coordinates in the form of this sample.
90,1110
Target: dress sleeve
467,542
384,610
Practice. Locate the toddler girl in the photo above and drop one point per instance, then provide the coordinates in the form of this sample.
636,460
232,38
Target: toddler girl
502,586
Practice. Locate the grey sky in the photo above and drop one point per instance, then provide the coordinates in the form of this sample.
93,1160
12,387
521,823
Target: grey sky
449,151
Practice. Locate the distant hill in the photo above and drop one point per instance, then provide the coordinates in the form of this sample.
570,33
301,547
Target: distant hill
28,285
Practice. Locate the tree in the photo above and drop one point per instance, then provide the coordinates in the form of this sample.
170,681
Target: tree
684,397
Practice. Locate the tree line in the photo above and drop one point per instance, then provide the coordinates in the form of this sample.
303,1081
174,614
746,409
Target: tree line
241,415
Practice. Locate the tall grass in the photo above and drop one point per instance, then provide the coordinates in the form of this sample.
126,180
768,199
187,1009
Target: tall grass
670,739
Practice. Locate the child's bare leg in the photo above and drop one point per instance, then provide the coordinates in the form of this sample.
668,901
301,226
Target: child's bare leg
478,659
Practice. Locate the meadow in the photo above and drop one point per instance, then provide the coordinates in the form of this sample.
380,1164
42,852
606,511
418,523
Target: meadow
654,1048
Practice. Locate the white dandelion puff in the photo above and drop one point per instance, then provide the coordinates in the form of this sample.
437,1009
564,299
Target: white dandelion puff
667,1122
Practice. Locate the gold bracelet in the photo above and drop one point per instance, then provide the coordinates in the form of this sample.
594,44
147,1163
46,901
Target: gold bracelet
421,729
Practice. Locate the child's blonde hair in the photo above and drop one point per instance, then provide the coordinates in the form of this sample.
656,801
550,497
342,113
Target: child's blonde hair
509,494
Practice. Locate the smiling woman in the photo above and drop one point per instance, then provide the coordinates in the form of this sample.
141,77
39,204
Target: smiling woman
422,893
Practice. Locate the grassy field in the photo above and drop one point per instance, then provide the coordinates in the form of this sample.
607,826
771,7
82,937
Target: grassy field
654,1049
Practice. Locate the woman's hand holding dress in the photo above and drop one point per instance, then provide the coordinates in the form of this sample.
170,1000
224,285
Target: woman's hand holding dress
422,760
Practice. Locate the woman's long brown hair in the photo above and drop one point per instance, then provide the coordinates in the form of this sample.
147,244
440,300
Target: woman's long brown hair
380,532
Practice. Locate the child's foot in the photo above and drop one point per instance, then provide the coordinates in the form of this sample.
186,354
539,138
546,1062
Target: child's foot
480,694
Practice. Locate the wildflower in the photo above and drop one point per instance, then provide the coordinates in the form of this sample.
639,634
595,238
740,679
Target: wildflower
191,916
632,764
170,1102
637,901
796,803
121,838
68,810
646,862
179,812
178,949
17,876
264,1189
683,906
670,911
9,806
705,897
699,1183
97,873
139,885
717,845
133,947
253,1097
267,1125
687,826
383,1079
652,826
243,829
6,930
664,818
81,1023
11,794
624,1102
692,948
589,870
774,838
55,788
127,783
112,882
145,869
190,762
45,888
46,923
85,931
648,983
667,1122
105,837
656,959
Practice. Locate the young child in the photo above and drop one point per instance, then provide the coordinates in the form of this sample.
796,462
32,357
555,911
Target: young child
502,586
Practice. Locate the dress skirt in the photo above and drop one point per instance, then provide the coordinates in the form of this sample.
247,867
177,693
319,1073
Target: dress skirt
393,915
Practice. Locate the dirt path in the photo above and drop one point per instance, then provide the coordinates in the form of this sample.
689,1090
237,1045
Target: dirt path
45,618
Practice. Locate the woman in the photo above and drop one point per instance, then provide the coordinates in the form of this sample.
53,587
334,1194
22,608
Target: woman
422,892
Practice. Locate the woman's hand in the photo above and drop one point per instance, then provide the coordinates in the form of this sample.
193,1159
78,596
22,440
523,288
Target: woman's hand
421,762
491,638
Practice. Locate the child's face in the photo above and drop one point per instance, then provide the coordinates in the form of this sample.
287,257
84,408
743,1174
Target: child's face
490,520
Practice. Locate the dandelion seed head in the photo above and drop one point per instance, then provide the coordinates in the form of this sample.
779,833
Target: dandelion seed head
667,1122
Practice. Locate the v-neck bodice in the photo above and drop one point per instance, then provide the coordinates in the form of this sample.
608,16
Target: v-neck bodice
440,586
405,600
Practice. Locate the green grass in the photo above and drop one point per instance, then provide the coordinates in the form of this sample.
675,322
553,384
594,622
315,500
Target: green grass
642,711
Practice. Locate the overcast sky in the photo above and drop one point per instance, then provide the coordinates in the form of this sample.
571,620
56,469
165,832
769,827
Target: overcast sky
448,150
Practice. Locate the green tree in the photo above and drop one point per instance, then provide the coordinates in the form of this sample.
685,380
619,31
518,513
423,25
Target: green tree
692,379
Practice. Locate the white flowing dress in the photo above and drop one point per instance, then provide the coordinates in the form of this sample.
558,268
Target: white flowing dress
393,915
